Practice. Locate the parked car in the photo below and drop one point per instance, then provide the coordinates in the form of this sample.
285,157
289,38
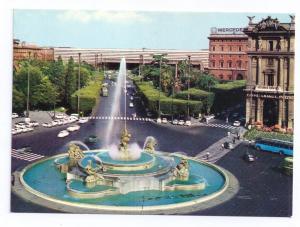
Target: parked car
131,105
59,116
73,128
249,157
228,145
175,122
181,122
209,117
34,123
158,120
83,120
14,115
164,120
74,115
236,123
188,123
63,133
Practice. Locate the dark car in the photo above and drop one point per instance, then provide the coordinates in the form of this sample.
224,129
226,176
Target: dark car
91,139
249,157
228,145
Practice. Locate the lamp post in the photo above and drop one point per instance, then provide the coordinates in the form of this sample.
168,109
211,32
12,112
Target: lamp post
78,96
189,76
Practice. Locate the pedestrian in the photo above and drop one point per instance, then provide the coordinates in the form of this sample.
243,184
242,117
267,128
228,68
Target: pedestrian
233,140
222,146
227,120
238,136
207,155
228,134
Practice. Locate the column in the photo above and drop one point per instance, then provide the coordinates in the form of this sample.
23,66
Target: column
290,120
281,114
248,109
290,74
259,76
259,109
281,74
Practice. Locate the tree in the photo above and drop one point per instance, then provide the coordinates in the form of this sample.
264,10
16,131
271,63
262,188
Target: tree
45,95
18,101
57,77
85,76
70,82
206,82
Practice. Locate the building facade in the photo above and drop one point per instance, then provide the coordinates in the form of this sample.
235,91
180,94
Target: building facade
270,80
23,50
227,53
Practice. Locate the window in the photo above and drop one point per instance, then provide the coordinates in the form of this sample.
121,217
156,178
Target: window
239,64
240,48
221,64
222,48
221,77
213,48
230,48
213,64
270,45
229,77
229,64
270,78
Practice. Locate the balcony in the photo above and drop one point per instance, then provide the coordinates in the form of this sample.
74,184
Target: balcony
268,88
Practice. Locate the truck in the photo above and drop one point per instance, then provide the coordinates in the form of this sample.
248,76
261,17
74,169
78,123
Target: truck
104,90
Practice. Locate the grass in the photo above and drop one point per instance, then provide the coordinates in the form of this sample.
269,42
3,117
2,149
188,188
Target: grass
252,134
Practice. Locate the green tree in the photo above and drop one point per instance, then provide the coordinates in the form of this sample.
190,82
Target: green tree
206,82
57,77
45,95
70,82
21,79
18,101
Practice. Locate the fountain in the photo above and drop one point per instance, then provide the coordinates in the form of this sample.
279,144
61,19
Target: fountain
124,178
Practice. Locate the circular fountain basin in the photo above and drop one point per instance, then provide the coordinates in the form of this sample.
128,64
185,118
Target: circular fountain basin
43,183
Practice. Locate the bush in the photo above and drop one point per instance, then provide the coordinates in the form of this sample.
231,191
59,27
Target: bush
150,97
207,98
89,96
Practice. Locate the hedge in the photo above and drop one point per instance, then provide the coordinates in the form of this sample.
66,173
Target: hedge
89,95
228,94
150,97
207,98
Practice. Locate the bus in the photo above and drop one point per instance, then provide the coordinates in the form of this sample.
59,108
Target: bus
104,89
275,146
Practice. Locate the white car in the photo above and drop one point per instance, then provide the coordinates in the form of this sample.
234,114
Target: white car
14,115
131,104
181,122
47,125
75,115
131,98
188,123
209,117
63,133
59,116
236,123
54,123
73,128
175,122
164,120
34,123
158,120
83,120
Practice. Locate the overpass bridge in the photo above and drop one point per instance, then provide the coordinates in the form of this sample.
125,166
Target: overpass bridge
111,57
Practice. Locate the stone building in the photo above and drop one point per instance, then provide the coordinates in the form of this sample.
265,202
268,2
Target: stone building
227,53
270,80
24,50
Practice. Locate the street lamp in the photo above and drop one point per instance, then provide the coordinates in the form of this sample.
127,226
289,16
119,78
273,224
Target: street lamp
188,104
78,97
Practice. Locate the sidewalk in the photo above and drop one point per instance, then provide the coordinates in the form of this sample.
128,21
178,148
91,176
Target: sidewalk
216,150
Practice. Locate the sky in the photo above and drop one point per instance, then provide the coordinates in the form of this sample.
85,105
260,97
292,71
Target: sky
122,29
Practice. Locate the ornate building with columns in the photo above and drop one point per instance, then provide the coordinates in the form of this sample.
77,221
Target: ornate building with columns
270,80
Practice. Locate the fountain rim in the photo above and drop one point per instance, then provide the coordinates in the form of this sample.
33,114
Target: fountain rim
228,179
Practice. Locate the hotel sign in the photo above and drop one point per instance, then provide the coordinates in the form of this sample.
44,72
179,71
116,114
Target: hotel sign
215,30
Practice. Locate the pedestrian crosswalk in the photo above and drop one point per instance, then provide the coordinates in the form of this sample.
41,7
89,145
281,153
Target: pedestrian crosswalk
121,118
218,126
27,156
